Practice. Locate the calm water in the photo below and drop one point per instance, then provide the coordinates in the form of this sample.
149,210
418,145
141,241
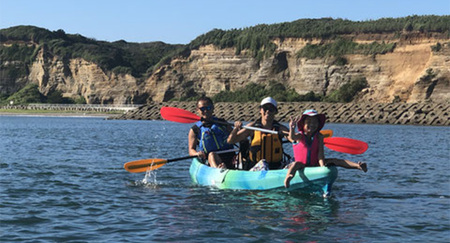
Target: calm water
62,180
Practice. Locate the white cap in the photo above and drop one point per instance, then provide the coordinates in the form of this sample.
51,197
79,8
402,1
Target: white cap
269,100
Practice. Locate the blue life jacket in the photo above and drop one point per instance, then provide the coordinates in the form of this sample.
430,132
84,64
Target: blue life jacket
211,136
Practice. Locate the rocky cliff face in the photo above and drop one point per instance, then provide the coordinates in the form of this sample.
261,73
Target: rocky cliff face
401,75
412,73
77,77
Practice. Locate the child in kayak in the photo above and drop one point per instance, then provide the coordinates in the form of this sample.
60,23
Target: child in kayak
308,145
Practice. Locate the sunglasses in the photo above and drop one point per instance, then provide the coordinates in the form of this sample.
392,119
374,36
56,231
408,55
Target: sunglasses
205,108
270,108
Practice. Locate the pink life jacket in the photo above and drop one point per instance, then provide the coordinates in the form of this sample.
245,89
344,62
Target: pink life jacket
307,154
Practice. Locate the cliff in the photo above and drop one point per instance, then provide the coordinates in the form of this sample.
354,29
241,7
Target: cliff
402,75
411,73
411,64
77,76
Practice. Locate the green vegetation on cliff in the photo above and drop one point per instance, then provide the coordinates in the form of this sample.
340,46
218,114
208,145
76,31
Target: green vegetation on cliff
256,92
258,39
343,47
30,94
347,92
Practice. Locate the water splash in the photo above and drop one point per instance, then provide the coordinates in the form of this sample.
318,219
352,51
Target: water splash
150,178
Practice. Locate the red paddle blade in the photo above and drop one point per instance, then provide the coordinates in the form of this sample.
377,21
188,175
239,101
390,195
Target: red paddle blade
346,145
178,115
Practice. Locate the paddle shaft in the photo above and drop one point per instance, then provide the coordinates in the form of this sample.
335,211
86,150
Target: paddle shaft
262,129
179,115
193,156
152,164
249,128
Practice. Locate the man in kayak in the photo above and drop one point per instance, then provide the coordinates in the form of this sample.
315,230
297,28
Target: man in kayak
308,145
210,136
266,149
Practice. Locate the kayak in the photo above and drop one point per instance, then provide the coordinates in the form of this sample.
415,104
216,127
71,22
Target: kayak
311,179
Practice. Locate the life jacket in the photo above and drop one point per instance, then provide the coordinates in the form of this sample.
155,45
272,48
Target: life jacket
307,154
266,146
211,136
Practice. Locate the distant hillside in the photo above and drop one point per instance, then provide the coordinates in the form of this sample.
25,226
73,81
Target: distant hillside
81,68
23,42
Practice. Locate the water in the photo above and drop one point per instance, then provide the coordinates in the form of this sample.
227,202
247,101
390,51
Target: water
62,180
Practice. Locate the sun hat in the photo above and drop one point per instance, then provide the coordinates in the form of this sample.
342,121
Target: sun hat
311,112
269,100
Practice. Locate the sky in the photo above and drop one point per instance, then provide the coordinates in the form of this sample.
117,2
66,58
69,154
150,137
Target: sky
181,21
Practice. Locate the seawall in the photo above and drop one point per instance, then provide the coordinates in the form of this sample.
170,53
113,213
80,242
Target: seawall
433,114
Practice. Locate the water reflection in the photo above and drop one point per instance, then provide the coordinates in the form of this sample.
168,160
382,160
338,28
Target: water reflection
254,214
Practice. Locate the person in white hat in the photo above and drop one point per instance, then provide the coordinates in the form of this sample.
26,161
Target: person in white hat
265,148
308,145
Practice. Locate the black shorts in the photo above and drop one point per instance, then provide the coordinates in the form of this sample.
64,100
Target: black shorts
228,159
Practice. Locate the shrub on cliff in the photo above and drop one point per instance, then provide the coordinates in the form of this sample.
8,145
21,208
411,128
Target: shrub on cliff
343,47
437,47
256,92
29,94
348,91
56,97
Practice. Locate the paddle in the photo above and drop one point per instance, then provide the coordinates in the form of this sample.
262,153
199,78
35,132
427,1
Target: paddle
346,145
183,116
326,133
152,164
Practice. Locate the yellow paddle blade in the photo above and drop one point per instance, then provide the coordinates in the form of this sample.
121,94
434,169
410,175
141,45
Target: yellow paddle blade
143,165
327,133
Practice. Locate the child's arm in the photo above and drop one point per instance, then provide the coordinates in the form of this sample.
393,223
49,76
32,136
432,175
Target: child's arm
321,155
293,137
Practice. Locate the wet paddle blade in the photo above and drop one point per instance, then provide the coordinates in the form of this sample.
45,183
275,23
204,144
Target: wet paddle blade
346,145
178,115
143,165
327,133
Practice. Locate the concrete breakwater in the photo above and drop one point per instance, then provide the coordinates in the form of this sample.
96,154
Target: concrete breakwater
434,114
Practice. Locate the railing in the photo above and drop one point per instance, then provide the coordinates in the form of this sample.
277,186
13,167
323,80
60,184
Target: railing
77,107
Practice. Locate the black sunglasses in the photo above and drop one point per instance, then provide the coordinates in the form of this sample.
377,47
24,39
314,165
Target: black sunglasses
270,108
206,108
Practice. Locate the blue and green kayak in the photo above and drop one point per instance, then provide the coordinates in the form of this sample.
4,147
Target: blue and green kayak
311,179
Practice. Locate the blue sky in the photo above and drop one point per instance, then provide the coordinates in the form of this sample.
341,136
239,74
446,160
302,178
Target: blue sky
180,21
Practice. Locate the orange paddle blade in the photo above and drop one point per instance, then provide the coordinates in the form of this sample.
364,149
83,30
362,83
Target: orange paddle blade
327,133
178,115
143,165
346,145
